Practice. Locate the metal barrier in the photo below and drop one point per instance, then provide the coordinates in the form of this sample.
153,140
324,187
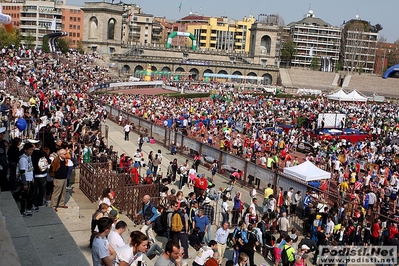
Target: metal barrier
252,173
95,177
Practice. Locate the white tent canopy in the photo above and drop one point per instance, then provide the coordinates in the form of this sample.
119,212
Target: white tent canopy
341,95
355,96
307,171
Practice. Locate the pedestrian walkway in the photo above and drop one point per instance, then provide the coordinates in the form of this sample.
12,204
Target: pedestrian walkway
40,240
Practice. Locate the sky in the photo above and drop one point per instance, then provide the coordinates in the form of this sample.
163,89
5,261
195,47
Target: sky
334,12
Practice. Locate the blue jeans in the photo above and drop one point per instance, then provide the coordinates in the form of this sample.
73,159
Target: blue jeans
69,174
208,233
154,247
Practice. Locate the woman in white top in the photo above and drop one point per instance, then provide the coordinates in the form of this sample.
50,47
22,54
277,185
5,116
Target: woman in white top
132,253
18,111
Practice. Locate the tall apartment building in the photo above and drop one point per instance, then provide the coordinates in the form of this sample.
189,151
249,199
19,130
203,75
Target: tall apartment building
315,38
72,22
215,33
359,45
34,18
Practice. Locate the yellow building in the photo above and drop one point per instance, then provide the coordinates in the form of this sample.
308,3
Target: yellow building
218,33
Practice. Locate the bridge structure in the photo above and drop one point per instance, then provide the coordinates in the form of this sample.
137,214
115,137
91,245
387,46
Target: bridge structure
198,63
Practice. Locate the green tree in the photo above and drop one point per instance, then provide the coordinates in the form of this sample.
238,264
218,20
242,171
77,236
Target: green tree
64,44
10,38
30,41
314,64
80,47
338,66
288,51
45,46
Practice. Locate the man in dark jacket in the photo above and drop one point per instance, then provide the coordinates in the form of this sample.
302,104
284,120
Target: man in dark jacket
40,163
150,214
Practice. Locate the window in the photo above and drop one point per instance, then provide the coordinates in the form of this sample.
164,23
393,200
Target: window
78,35
111,50
70,26
111,29
78,27
78,19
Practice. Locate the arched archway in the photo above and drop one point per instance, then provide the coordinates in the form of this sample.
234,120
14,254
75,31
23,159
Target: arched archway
111,29
125,69
93,26
184,34
208,71
166,69
179,69
222,72
252,81
194,73
138,68
154,68
265,44
237,73
267,79
391,71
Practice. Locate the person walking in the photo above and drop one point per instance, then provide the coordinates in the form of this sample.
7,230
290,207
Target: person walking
221,238
150,214
127,129
59,172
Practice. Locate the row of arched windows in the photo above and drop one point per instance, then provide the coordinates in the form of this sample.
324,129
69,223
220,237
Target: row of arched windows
94,27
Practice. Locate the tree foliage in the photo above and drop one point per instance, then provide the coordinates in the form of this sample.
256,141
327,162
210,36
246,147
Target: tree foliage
10,38
45,46
314,64
64,44
29,41
288,51
80,47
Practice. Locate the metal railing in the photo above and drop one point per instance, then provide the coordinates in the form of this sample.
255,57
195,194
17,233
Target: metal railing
95,177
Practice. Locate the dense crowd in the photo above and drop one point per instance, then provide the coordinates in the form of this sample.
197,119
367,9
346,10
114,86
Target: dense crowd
63,130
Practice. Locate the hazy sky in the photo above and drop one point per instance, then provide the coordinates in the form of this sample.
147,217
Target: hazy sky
334,12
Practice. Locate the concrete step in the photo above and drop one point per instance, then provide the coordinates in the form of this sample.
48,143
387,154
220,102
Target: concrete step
42,239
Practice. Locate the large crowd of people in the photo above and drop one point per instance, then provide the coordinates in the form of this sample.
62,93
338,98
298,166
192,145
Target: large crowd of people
63,130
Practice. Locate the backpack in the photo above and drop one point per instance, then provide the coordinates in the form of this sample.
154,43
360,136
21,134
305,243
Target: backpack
177,222
229,241
42,164
284,256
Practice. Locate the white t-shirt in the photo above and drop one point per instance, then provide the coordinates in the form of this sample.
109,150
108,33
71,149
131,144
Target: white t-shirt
225,207
125,253
99,250
127,128
115,239
203,255
25,163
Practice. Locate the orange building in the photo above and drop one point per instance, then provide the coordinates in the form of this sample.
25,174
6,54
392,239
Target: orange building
14,11
72,22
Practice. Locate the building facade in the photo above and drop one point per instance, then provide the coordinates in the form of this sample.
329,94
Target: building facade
72,22
215,33
359,45
34,18
315,40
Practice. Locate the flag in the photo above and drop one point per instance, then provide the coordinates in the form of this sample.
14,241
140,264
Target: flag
181,3
53,24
